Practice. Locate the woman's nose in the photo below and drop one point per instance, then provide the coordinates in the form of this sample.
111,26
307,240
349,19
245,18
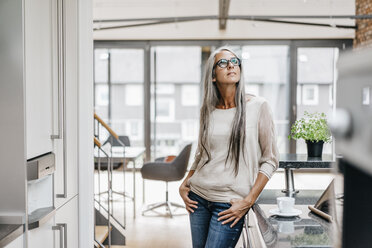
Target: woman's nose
230,64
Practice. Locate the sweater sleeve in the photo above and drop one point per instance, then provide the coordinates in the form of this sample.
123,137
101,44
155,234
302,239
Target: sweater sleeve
269,161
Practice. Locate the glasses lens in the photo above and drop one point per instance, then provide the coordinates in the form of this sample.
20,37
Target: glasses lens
222,63
235,61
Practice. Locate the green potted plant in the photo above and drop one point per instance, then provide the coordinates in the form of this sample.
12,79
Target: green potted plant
314,130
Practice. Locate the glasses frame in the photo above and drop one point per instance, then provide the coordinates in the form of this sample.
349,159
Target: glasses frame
228,62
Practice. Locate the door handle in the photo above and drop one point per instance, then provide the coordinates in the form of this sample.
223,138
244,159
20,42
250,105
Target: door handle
62,228
62,89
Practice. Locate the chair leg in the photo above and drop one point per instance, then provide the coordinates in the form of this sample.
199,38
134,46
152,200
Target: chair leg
154,206
168,205
169,209
177,205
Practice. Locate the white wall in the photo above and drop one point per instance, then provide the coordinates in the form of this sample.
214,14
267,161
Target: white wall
85,124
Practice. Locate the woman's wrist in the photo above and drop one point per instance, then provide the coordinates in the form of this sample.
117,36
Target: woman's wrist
248,201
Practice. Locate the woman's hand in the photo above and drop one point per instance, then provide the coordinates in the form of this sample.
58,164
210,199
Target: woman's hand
237,210
184,193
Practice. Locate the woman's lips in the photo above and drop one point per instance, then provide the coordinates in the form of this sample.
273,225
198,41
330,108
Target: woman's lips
231,74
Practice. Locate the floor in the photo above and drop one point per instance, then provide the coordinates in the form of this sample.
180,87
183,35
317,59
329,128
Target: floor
157,229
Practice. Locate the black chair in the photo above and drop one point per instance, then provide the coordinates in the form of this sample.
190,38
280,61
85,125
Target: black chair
167,172
123,138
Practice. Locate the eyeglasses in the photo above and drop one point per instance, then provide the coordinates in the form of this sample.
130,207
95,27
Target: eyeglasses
223,63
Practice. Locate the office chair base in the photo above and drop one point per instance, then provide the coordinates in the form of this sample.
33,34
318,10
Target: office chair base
167,204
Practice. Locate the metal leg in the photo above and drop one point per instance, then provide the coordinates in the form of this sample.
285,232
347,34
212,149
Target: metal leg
143,191
289,183
124,203
134,189
168,205
169,209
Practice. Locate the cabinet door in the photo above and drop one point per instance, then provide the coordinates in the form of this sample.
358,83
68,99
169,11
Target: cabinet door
38,75
67,171
43,236
17,243
67,216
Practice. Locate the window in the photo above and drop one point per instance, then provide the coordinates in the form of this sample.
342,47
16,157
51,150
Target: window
252,89
101,65
189,130
299,95
190,95
165,89
266,73
134,95
310,94
102,98
127,65
165,109
316,65
134,129
178,64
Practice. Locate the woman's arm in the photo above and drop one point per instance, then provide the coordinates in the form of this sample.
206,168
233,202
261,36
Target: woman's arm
184,193
239,207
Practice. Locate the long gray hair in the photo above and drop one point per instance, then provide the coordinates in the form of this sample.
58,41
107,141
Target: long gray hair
210,100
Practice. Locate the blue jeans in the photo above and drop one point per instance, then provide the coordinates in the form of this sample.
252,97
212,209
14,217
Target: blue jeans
206,230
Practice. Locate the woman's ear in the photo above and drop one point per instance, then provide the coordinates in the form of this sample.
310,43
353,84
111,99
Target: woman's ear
214,79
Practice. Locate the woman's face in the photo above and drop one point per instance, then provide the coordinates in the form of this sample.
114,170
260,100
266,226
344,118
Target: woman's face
228,75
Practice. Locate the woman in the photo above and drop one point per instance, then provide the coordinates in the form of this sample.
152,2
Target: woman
235,157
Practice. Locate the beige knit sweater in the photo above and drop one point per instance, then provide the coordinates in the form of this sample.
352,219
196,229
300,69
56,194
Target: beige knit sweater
216,181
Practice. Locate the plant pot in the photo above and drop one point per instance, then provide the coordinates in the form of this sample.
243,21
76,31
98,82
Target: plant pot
314,149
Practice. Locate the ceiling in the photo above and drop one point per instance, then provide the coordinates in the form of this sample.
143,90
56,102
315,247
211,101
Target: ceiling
209,28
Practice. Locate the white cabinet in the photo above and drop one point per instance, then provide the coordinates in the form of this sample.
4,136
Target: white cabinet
66,175
43,236
17,243
67,218
39,77
51,50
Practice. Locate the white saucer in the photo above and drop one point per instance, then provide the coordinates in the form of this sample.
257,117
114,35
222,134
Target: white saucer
276,211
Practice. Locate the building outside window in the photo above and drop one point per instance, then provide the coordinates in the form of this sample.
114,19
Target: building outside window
266,74
165,109
316,77
133,95
310,95
177,94
190,95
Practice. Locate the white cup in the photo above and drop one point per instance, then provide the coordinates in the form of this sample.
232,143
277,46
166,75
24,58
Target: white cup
285,204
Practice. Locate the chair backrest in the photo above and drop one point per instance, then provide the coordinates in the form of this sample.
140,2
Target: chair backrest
114,142
182,160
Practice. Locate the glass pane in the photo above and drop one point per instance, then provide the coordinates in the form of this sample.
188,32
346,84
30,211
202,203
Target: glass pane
265,71
176,119
100,65
316,78
101,101
101,88
127,101
315,65
127,65
178,64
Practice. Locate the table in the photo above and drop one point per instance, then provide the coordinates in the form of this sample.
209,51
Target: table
121,155
306,230
296,161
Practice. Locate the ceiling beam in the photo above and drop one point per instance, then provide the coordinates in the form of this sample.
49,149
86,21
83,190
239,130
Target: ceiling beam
167,20
223,14
235,17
